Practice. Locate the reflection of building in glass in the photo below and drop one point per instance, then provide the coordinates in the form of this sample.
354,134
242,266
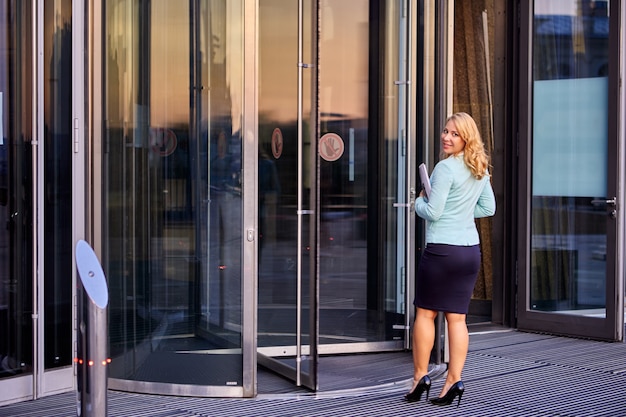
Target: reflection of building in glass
570,70
571,46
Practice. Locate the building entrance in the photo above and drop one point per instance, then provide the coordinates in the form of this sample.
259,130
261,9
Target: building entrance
333,181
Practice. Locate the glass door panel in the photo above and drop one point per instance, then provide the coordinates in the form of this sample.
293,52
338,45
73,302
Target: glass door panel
352,101
362,90
573,269
57,202
287,312
347,314
16,196
44,351
173,199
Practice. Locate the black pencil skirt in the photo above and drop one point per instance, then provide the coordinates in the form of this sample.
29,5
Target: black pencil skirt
446,276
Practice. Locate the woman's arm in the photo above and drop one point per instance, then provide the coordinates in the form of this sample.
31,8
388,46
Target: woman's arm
486,204
441,181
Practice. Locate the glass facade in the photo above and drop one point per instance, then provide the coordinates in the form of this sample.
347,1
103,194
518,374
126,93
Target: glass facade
266,148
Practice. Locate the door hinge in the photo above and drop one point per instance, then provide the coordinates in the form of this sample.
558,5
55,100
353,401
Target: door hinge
76,136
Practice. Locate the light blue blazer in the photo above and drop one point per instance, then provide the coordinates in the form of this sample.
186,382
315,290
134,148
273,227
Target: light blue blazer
456,199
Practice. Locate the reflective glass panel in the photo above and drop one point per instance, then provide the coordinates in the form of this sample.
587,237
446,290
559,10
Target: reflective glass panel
16,189
280,158
349,294
361,171
354,167
57,178
172,213
569,169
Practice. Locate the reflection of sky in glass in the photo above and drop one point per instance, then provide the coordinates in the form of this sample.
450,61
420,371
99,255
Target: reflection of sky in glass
169,63
343,48
344,42
221,37
561,7
569,7
344,56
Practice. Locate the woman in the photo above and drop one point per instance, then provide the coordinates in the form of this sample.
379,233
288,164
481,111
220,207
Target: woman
460,192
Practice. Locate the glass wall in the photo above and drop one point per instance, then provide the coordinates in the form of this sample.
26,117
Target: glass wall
569,169
172,211
16,190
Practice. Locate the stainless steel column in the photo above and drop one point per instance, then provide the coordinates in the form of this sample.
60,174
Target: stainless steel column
92,358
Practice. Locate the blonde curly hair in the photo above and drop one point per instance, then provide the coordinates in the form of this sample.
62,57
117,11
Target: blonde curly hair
474,154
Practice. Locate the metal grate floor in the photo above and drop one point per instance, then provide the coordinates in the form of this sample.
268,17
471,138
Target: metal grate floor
507,374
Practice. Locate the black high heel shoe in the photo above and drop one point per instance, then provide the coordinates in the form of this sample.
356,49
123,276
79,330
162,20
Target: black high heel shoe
416,394
457,389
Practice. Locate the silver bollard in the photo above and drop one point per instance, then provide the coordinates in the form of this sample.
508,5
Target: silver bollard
92,358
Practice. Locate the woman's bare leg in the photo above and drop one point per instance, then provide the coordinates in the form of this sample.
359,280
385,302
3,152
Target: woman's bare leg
458,337
423,339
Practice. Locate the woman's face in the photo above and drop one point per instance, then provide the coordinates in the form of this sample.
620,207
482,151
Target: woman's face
451,142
